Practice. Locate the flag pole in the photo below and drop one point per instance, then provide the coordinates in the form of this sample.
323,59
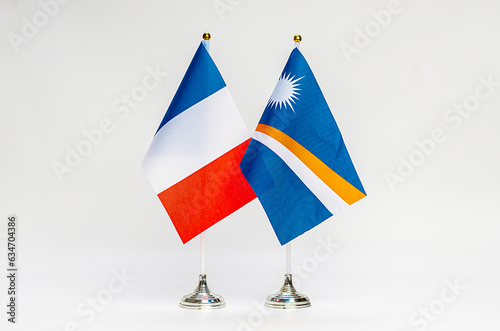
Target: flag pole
203,298
287,297
288,257
202,253
206,42
297,38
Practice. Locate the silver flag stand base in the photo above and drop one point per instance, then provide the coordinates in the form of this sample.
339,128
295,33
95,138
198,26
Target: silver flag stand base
287,297
202,297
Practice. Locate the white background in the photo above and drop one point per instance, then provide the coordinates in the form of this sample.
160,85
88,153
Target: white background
397,248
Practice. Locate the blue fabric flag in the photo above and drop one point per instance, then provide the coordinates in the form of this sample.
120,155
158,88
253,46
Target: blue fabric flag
297,162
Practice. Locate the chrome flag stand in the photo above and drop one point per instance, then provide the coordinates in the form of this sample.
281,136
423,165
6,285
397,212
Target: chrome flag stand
202,297
287,297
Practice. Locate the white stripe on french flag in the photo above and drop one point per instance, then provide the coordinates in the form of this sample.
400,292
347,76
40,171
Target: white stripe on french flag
192,139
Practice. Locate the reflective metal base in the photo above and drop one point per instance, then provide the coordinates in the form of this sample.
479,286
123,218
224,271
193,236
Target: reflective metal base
287,297
202,297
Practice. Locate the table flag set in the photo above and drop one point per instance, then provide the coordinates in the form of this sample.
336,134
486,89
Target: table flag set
203,165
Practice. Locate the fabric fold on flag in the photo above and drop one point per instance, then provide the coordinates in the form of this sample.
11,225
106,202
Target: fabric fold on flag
297,162
193,161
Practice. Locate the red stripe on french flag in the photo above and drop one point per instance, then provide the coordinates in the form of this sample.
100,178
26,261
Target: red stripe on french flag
208,195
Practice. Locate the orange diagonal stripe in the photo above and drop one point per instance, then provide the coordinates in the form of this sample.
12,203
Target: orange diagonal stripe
339,185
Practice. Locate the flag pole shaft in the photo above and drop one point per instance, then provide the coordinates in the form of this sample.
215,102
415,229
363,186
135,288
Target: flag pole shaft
288,266
202,253
288,257
289,244
206,43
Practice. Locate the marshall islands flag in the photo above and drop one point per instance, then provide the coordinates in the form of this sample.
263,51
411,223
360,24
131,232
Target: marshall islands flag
296,162
193,161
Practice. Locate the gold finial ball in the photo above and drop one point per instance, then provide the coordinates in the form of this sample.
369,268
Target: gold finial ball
297,38
206,36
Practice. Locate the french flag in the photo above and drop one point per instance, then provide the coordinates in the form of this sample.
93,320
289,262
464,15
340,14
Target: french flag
193,161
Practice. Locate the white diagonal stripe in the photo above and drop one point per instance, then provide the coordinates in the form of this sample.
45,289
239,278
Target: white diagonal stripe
328,198
193,139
